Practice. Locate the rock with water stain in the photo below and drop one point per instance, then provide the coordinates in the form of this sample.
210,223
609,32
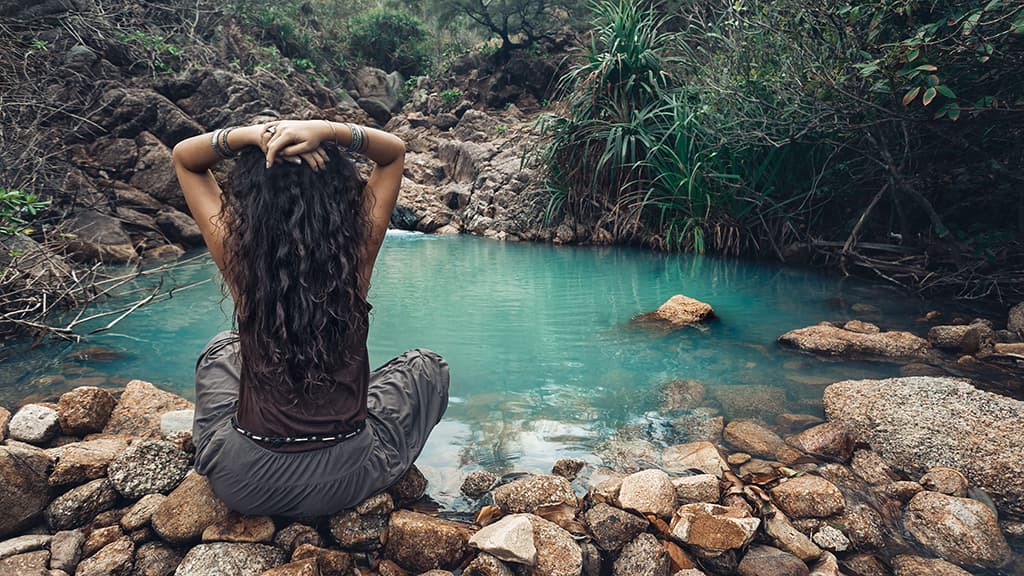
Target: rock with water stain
418,542
700,456
679,311
80,505
34,424
712,528
808,497
188,510
230,559
830,340
79,462
752,437
642,556
769,561
23,471
140,408
611,527
528,494
84,410
909,565
114,559
148,467
509,539
648,492
831,440
960,530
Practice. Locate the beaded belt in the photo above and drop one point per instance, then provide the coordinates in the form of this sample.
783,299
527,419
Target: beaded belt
278,441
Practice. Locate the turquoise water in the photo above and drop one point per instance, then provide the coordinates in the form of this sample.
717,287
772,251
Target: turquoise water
545,361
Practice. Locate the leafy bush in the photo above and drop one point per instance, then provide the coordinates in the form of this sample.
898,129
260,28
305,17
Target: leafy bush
16,210
451,96
390,39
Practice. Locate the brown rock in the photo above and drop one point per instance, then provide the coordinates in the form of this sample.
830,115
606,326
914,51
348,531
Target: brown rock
66,550
354,531
699,488
25,493
902,490
179,227
643,556
237,527
907,565
945,480
870,467
99,538
156,559
94,236
557,551
388,568
331,562
478,483
682,395
797,421
788,538
864,565
486,565
613,528
292,536
568,468
680,311
960,530
829,340
921,369
188,510
648,492
154,170
861,327
831,440
752,437
139,515
79,462
85,409
864,527
967,339
80,505
115,559
230,559
808,497
701,456
139,409
5,418
712,528
28,564
410,487
419,542
768,561
305,567
527,494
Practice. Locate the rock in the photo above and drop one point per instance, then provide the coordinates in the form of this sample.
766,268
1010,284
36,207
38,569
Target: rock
751,400
79,462
66,550
418,542
140,408
28,564
26,543
613,528
919,423
25,493
797,421
475,125
464,161
946,481
371,82
966,339
606,491
829,340
752,437
305,567
83,410
148,467
700,456
629,455
788,538
908,565
827,566
712,528
699,488
100,537
861,327
230,559
176,422
5,418
863,526
375,109
682,395
557,551
643,556
354,531
648,492
410,487
567,468
768,561
509,539
527,494
831,539
331,562
1015,320
870,467
94,236
139,515
154,169
957,529
156,559
486,565
80,505
115,559
292,536
903,490
188,510
445,121
808,497
680,311
33,424
388,568
864,565
831,440
179,227
237,527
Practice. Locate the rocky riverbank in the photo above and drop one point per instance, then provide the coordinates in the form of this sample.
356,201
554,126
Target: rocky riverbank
901,479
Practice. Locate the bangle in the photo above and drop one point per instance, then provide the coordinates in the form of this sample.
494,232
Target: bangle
358,139
225,148
333,131
214,140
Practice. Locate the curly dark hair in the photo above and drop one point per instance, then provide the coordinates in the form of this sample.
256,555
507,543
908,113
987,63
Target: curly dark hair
292,250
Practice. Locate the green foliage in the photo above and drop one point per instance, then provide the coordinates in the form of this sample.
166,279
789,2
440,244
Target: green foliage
450,97
17,208
390,39
161,55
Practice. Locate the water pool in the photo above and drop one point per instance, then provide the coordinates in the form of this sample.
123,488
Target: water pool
545,361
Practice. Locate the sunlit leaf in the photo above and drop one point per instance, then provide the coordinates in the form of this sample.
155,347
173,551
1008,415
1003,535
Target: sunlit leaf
913,55
946,91
929,95
932,80
909,96
927,68
487,515
953,112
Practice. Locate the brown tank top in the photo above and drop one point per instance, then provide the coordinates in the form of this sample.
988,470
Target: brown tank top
273,413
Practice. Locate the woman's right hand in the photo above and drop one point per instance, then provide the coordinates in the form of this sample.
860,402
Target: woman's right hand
295,141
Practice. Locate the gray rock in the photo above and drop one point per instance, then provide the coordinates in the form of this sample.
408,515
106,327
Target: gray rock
25,493
643,556
831,539
701,456
699,488
156,559
613,528
230,559
80,505
1015,320
179,227
527,494
22,544
918,423
80,58
509,539
34,424
768,561
66,550
486,565
176,421
148,467
960,530
648,492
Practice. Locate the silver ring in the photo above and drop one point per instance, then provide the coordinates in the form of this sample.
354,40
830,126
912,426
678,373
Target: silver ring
271,129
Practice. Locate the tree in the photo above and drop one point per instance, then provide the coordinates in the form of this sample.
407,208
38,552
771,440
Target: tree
518,23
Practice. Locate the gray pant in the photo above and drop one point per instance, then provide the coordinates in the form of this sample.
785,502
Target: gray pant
405,400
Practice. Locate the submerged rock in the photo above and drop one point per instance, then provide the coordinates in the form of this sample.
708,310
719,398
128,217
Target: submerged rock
808,497
825,338
700,456
752,437
958,529
918,423
679,311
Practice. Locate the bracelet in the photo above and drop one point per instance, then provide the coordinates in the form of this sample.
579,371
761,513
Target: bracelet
214,139
333,131
225,150
358,139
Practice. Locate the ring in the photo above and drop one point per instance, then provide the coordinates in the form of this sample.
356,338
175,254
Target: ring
271,129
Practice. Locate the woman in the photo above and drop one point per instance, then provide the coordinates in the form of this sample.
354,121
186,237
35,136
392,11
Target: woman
289,419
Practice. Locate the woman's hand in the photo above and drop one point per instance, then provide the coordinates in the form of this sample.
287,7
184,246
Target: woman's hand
295,141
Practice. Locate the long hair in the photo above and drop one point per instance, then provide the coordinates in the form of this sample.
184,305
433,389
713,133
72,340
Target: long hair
292,248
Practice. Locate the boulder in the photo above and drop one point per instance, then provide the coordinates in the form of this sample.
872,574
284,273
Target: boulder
788,538
80,505
557,551
66,550
128,112
83,410
410,487
139,515
945,480
700,456
23,544
752,437
915,424
475,125
643,556
156,559
140,408
1015,320
611,527
509,539
418,542
768,561
486,565
699,488
93,236
114,559
831,440
909,565
375,83
230,559
648,492
528,494
808,497
376,109
148,467
188,510
237,527
179,227
34,424
679,311
960,530
420,208
830,340
967,339
712,528
25,492
464,161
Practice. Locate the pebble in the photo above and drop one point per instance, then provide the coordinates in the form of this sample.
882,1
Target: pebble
33,424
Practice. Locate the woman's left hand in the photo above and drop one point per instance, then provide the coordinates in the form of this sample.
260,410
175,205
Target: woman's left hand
294,141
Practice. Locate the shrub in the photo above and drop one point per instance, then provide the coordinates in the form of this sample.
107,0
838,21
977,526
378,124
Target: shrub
16,209
390,39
